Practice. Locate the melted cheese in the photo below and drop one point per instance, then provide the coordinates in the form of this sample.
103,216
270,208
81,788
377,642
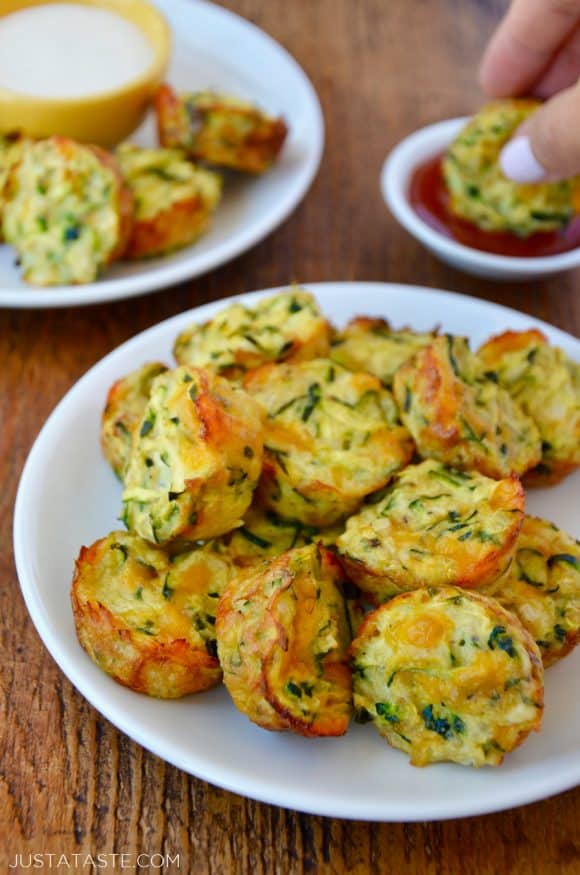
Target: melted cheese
434,526
331,437
467,686
196,458
288,326
283,633
461,417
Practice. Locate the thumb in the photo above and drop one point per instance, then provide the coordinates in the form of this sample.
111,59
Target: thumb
546,147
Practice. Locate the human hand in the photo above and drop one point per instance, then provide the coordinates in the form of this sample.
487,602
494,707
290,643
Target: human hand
536,50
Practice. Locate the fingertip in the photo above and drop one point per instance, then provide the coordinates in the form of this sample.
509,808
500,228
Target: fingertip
485,77
518,162
553,137
508,68
494,90
494,79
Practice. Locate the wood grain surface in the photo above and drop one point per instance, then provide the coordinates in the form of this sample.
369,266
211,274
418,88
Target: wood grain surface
69,782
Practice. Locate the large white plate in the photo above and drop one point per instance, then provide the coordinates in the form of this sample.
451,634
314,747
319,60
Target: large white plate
211,48
68,497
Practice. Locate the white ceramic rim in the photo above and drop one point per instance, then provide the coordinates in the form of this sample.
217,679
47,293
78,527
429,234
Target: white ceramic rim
395,178
244,238
518,793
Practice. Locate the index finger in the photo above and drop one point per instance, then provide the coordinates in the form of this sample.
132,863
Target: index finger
524,44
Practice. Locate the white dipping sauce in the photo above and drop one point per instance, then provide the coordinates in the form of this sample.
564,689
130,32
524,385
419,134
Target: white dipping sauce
68,50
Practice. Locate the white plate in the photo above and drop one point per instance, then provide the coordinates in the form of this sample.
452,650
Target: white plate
211,48
68,496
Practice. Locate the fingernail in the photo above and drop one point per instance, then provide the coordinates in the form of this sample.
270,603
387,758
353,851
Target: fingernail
519,163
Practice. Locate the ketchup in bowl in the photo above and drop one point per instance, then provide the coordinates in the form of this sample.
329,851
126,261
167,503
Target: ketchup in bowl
429,198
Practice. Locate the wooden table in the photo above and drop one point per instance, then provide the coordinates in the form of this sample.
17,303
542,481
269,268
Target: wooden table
70,783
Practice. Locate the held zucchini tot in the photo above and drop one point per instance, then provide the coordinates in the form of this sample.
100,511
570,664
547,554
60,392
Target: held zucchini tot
459,416
196,458
148,619
286,327
545,383
283,633
126,403
331,437
542,587
448,676
481,193
371,345
433,526
68,212
174,199
219,129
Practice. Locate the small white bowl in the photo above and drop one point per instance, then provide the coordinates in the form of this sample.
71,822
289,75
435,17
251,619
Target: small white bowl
395,180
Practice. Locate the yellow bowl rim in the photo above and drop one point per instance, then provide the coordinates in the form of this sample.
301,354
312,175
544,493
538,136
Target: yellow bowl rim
162,52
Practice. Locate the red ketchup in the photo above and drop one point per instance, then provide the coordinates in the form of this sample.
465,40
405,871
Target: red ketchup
430,200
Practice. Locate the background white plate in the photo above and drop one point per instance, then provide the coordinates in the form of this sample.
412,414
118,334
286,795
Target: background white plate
212,48
68,496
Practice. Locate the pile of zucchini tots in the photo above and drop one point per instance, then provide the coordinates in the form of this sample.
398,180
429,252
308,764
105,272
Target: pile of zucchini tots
70,209
332,522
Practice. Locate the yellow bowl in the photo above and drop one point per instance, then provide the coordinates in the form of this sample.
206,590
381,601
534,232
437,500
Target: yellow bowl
104,118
